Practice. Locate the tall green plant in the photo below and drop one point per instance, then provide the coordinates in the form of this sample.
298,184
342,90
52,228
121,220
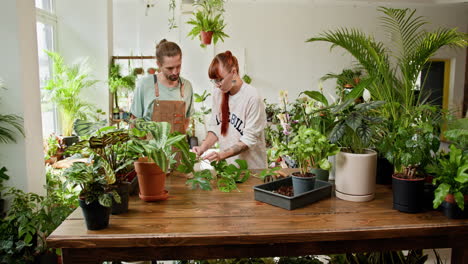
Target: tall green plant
65,88
411,47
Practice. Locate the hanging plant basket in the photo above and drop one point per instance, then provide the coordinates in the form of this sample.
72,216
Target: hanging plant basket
206,37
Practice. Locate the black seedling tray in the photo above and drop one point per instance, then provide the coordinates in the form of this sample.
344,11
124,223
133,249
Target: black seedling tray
263,193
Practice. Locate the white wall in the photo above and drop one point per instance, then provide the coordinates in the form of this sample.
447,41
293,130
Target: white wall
272,34
84,28
19,70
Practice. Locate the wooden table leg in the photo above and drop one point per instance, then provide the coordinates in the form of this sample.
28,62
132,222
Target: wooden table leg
69,257
460,255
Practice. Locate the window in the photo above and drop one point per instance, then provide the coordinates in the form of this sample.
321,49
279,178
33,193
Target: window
45,26
45,5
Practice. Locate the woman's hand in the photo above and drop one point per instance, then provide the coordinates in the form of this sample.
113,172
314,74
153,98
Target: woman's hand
213,156
198,150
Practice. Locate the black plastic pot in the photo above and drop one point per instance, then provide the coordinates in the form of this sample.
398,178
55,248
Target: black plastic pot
303,184
123,189
428,203
320,174
452,211
384,171
68,141
96,216
408,195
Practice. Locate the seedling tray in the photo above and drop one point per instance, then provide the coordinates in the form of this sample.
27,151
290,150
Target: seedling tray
263,193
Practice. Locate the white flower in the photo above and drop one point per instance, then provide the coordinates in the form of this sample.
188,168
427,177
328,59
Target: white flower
366,95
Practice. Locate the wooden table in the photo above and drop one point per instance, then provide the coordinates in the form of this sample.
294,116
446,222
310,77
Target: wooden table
195,224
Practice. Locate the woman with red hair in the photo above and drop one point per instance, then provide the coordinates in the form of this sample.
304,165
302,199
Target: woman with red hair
238,116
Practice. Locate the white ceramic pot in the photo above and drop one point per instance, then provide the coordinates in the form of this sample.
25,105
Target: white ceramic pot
355,176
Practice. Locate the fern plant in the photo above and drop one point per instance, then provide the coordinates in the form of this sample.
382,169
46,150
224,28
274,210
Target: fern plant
209,18
64,89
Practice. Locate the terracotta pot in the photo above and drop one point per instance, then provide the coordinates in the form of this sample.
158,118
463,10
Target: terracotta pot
206,37
151,180
449,198
451,209
355,176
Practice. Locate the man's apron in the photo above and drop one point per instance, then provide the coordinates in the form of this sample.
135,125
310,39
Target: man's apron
170,111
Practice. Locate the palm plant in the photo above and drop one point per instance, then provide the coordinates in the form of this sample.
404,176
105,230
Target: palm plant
65,87
411,48
9,124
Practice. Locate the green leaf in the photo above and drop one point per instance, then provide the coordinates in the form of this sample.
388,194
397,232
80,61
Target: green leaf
354,120
459,199
440,193
105,200
316,96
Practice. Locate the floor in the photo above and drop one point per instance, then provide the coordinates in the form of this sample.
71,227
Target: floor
444,254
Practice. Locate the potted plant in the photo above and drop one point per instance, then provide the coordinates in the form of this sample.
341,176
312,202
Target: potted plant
198,116
345,81
208,22
409,149
157,155
64,89
111,146
118,84
451,171
310,150
353,130
394,80
95,179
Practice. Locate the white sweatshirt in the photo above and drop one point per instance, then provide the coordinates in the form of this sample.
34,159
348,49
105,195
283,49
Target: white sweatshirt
247,124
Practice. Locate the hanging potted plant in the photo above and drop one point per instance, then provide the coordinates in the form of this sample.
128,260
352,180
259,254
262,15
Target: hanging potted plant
157,155
353,130
95,198
208,22
64,89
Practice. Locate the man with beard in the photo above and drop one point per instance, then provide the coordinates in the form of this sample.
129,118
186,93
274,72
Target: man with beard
165,96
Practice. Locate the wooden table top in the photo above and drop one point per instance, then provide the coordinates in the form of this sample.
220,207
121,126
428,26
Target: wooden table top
197,218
